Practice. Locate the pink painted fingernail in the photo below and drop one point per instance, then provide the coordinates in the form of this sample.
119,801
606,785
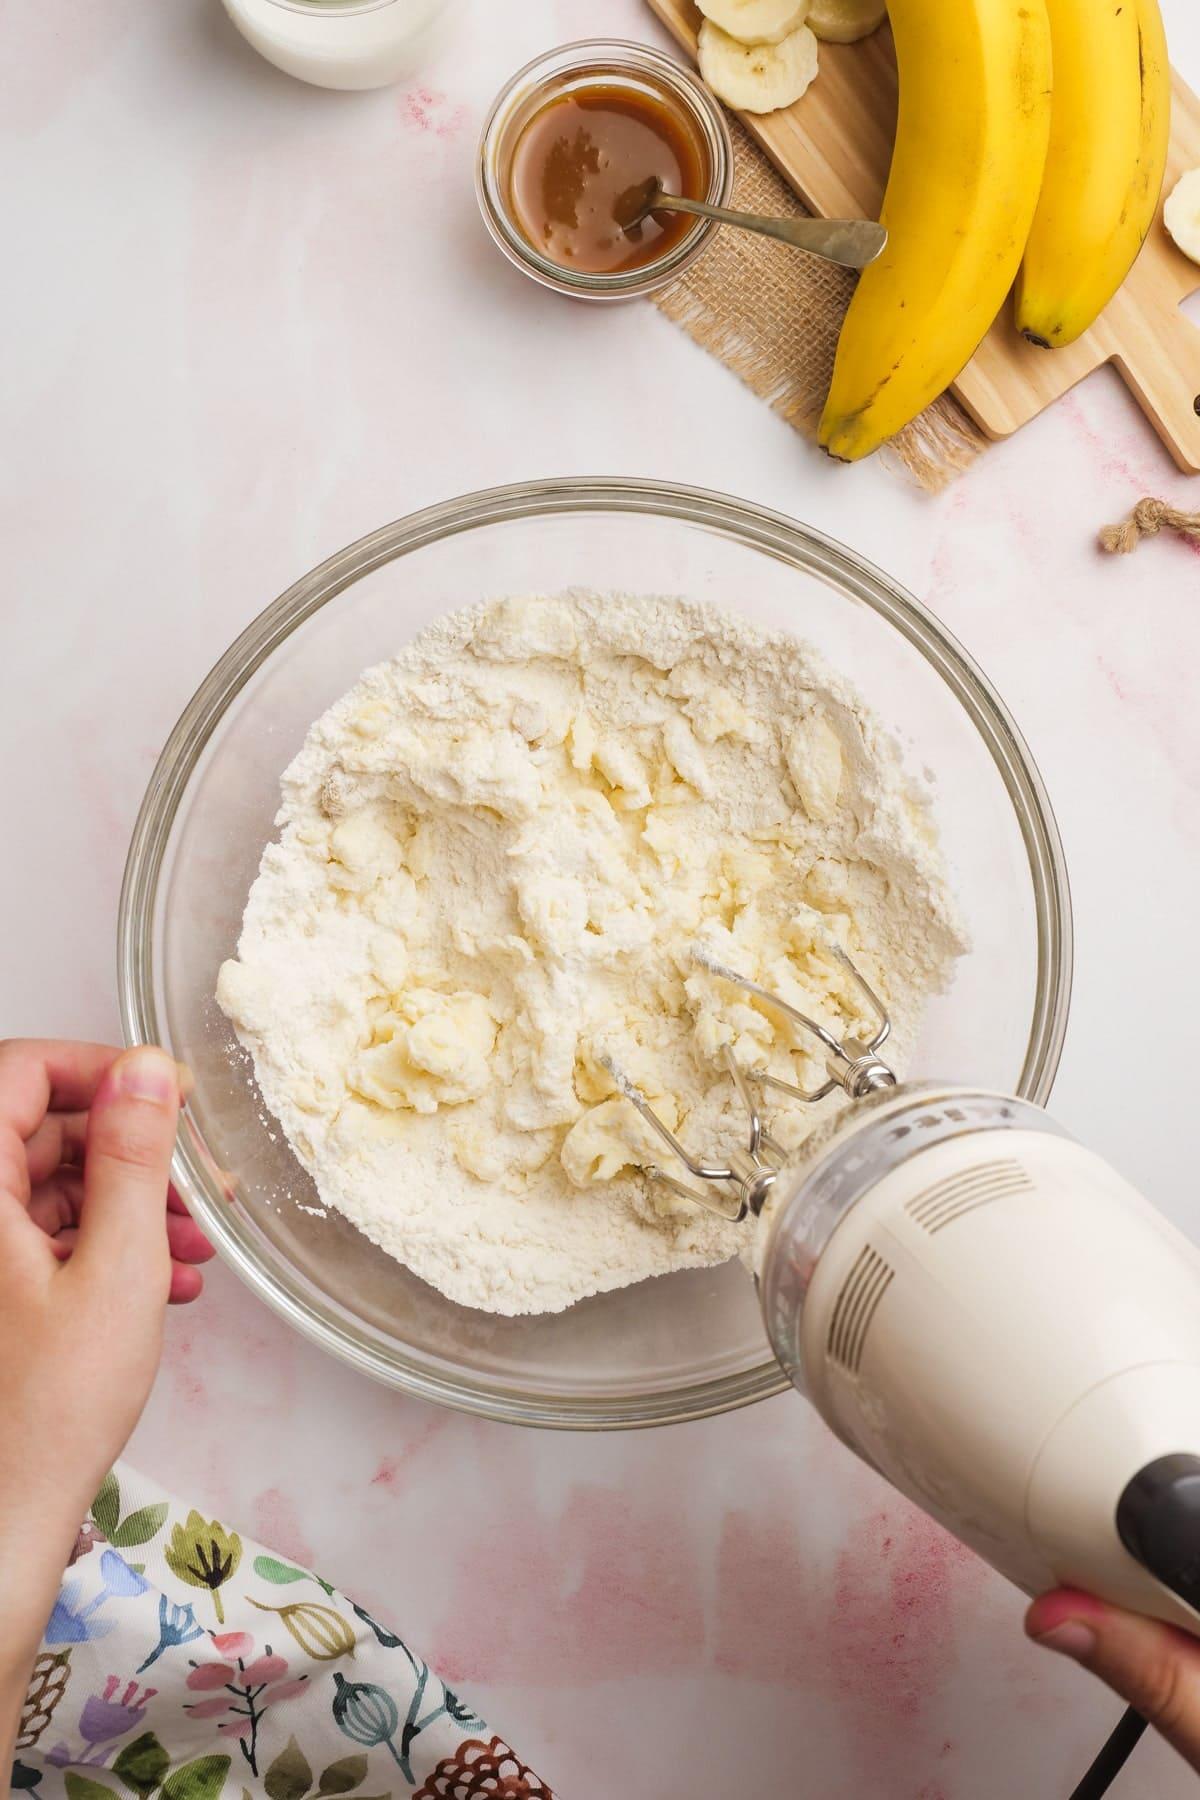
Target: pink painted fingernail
1072,1639
147,1074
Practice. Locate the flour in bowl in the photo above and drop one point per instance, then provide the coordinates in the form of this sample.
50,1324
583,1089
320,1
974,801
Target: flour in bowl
495,855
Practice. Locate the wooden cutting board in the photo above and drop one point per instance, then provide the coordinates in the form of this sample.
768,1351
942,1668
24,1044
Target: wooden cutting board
834,147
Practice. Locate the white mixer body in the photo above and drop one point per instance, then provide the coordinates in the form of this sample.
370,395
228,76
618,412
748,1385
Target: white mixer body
999,1324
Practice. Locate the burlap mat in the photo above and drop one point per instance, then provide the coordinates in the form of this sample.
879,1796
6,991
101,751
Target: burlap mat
773,315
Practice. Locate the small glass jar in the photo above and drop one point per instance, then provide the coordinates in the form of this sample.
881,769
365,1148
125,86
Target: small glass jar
614,64
340,43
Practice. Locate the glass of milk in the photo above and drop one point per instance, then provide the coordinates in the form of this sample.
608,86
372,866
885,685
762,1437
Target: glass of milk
341,43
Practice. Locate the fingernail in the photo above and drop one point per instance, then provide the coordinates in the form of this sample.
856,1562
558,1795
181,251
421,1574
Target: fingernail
187,1081
1070,1639
147,1075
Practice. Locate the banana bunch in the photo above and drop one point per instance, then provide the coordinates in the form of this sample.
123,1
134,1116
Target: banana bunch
1030,146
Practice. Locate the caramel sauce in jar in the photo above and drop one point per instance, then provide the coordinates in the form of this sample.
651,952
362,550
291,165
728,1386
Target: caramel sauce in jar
579,163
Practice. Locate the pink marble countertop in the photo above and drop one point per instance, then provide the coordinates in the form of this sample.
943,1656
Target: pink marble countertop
247,321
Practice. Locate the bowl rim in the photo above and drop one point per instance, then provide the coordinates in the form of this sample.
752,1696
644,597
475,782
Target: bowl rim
757,527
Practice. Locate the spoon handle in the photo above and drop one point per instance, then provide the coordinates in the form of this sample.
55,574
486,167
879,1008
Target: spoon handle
853,243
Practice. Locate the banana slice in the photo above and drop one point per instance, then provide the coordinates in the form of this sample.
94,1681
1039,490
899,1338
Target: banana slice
756,21
845,21
757,78
1181,214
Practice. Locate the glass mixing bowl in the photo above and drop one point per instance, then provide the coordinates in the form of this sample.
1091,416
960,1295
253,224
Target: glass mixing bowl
685,1345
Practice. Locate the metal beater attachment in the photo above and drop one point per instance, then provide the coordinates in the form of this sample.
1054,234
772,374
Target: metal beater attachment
852,1065
749,1174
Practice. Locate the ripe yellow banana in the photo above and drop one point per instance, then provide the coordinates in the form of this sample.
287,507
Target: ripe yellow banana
966,171
1110,124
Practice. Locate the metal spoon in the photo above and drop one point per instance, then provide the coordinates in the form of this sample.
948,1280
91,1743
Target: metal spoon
852,243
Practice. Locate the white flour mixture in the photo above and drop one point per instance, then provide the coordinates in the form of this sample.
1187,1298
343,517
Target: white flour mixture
495,853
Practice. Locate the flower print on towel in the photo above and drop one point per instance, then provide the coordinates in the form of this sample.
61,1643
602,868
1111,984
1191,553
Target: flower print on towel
204,1555
281,1574
387,1638
368,1714
479,1771
125,1530
176,1625
144,1768
242,1688
320,1631
74,1622
141,1690
111,1714
47,1686
292,1777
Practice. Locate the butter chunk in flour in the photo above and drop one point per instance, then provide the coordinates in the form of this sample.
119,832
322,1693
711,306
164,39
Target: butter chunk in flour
494,855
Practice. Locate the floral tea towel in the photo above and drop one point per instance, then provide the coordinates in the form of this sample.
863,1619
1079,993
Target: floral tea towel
183,1662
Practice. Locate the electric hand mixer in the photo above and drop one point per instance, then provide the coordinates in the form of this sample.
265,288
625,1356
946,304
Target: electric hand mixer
984,1311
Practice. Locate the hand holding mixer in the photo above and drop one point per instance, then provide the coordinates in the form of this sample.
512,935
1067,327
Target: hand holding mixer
981,1309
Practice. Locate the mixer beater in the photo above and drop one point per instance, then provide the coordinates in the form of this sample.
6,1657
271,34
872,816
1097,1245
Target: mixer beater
740,1187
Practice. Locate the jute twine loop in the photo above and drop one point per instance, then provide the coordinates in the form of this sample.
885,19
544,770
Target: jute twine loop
1147,519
